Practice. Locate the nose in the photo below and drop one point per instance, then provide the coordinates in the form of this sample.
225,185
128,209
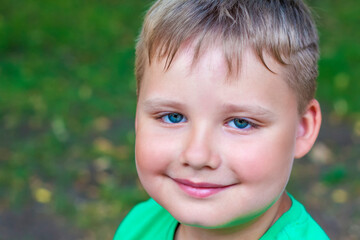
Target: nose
199,150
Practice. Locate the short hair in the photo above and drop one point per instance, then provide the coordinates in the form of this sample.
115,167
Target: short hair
284,29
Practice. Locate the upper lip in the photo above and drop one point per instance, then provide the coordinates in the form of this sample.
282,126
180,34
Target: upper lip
199,184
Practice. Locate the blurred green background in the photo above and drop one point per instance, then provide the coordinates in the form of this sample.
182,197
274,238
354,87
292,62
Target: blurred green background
67,106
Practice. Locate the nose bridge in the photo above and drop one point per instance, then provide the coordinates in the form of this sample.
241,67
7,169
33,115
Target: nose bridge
199,151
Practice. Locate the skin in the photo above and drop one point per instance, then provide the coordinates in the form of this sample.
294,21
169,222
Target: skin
250,165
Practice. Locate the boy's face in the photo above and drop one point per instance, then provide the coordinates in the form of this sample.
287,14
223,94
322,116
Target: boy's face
211,149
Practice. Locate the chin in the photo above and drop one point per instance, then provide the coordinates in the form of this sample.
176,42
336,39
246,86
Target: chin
209,221
204,224
216,220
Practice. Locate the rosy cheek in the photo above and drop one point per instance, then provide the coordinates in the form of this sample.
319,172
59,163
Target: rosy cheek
261,161
250,168
153,153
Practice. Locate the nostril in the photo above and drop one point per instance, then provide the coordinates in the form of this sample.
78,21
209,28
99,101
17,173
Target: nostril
185,164
198,159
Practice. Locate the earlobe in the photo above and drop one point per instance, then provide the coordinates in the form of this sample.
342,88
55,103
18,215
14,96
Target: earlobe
308,129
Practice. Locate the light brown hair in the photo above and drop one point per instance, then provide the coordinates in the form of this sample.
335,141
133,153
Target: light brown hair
284,29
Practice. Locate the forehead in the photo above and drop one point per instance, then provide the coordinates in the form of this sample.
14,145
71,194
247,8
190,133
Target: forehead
211,57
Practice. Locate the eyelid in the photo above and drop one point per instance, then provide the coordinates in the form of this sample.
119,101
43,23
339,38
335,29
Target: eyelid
160,117
252,123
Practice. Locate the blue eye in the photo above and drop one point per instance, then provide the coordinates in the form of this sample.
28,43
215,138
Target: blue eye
240,123
173,118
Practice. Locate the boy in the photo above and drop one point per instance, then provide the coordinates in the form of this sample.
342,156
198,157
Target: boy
225,104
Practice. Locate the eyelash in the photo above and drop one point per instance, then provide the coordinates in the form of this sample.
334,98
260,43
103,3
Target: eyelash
162,116
250,124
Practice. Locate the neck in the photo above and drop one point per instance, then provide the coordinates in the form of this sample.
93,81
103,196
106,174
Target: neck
251,230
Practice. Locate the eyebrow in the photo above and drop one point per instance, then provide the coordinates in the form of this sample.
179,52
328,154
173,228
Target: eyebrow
249,109
155,103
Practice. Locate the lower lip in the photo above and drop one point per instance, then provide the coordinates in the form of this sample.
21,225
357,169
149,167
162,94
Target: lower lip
200,192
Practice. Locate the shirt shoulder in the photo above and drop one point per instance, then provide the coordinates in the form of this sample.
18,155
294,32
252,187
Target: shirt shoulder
296,223
147,220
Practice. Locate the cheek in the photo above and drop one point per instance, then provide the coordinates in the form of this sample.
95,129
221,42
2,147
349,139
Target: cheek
264,159
153,156
152,153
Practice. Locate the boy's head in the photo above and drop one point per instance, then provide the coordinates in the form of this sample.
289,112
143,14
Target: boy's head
282,29
225,104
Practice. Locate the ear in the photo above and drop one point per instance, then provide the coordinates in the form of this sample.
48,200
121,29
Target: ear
308,129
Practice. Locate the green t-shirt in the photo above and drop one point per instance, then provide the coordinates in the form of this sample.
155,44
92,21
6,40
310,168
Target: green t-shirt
148,221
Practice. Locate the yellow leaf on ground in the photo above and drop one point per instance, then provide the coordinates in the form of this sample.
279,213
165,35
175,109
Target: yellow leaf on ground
43,195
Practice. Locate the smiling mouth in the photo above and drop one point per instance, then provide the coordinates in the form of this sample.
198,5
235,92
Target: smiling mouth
200,190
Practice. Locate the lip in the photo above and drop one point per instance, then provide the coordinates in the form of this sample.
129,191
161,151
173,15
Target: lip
201,189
